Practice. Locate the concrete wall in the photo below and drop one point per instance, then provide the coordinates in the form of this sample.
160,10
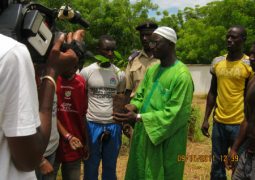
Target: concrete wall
201,77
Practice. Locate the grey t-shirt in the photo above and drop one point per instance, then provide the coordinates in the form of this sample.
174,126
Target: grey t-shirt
101,84
54,136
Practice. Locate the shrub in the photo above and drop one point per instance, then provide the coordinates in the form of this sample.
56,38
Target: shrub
194,123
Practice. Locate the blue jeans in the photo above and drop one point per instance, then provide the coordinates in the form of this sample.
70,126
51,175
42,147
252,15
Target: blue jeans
50,159
223,137
70,170
109,154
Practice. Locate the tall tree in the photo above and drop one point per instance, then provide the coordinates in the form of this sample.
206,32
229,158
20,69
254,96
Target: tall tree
117,18
202,36
201,30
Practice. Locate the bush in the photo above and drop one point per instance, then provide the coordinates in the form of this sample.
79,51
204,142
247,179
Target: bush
194,124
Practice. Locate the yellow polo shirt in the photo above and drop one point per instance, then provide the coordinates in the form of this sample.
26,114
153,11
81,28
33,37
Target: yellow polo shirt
232,80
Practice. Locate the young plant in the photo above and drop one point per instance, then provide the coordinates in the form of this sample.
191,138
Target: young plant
119,100
120,62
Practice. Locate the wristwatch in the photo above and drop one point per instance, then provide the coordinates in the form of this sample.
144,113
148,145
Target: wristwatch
138,118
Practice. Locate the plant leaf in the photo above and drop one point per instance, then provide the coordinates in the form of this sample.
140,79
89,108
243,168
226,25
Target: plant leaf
101,58
117,55
119,63
125,63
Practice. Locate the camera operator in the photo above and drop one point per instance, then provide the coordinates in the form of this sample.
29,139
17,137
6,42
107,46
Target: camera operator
25,132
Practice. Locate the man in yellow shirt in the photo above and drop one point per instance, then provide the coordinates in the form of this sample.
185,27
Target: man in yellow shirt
230,75
245,168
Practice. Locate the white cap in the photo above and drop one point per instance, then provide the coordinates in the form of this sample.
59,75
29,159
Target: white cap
167,33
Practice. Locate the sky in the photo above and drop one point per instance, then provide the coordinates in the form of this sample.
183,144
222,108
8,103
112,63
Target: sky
172,6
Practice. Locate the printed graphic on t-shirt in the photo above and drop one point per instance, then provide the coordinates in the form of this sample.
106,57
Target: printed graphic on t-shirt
68,94
229,72
67,107
103,92
112,80
70,87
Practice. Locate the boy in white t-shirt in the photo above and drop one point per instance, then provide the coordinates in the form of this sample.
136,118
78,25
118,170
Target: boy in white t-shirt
102,81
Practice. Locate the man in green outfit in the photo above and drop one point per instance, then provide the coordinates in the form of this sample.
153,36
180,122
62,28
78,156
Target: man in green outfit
163,103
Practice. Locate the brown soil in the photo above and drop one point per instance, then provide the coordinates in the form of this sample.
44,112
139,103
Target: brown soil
119,102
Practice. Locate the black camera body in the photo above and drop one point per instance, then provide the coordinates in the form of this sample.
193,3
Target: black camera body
34,25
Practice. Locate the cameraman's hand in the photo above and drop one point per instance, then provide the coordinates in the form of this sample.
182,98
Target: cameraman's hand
59,62
78,36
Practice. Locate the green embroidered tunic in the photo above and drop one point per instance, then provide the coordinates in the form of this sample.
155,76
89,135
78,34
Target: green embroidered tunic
164,101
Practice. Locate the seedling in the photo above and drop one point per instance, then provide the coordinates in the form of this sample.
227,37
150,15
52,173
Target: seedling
120,61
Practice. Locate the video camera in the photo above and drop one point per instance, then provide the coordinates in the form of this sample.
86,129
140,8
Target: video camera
34,25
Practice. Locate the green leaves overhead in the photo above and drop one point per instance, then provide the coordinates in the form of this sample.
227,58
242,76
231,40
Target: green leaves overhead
120,62
200,30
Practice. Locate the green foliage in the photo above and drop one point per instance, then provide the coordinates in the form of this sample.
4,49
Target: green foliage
203,34
194,132
200,30
120,62
193,117
101,58
118,55
117,18
166,13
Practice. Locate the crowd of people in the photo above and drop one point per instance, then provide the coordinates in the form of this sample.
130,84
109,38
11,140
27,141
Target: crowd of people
51,117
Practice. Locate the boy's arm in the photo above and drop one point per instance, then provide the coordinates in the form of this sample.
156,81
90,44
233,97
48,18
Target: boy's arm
73,141
87,151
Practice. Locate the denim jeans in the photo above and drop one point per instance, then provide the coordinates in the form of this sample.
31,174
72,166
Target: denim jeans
50,159
70,170
223,137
